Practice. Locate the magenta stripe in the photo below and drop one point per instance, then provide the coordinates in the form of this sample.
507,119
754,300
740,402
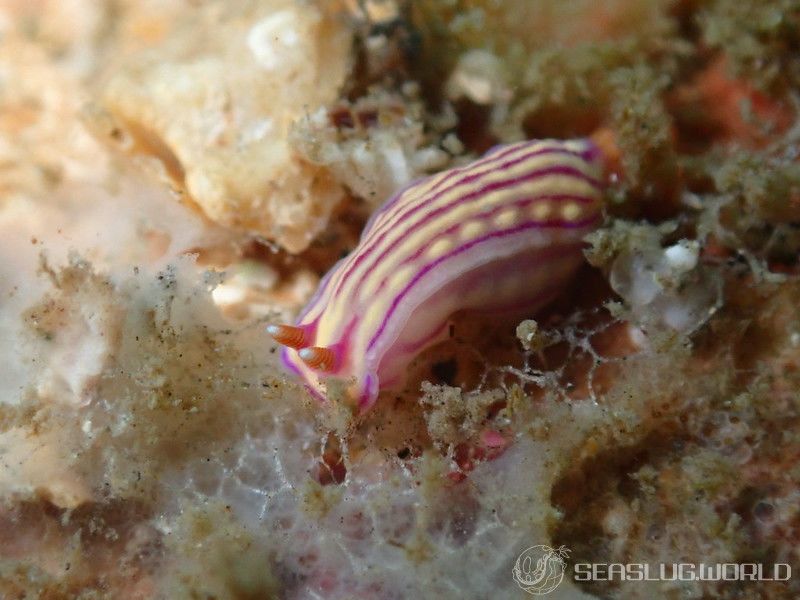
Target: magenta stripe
288,362
492,187
494,159
501,208
363,255
453,173
327,281
496,234
436,192
321,288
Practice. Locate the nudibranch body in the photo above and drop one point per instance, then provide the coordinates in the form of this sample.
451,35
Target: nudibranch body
500,234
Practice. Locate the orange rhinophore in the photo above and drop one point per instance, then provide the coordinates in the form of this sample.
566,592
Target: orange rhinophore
293,337
319,358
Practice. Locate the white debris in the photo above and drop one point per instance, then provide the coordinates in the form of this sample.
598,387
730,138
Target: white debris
274,39
683,255
479,76
665,286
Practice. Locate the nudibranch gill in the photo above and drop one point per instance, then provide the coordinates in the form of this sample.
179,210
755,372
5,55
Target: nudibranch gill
502,234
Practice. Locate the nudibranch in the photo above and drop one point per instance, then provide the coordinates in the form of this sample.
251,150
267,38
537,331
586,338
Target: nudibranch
502,234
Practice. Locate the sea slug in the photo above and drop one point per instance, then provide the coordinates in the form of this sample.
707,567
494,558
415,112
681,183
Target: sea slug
502,234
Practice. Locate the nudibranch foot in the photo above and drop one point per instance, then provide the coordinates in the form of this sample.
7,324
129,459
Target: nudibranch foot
499,235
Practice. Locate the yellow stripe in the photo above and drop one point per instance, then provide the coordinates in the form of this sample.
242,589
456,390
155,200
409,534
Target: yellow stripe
415,194
551,184
335,312
557,184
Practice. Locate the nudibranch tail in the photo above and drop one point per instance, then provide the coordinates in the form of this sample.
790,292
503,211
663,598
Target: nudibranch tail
503,233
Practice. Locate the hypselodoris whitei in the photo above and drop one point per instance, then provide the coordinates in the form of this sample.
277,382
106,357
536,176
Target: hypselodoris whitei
500,234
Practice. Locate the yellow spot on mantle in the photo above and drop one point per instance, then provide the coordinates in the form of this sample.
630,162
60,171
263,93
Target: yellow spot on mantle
400,278
540,210
439,247
506,218
571,211
472,230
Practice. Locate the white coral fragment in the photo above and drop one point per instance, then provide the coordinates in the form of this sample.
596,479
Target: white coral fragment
274,40
665,286
218,114
480,76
